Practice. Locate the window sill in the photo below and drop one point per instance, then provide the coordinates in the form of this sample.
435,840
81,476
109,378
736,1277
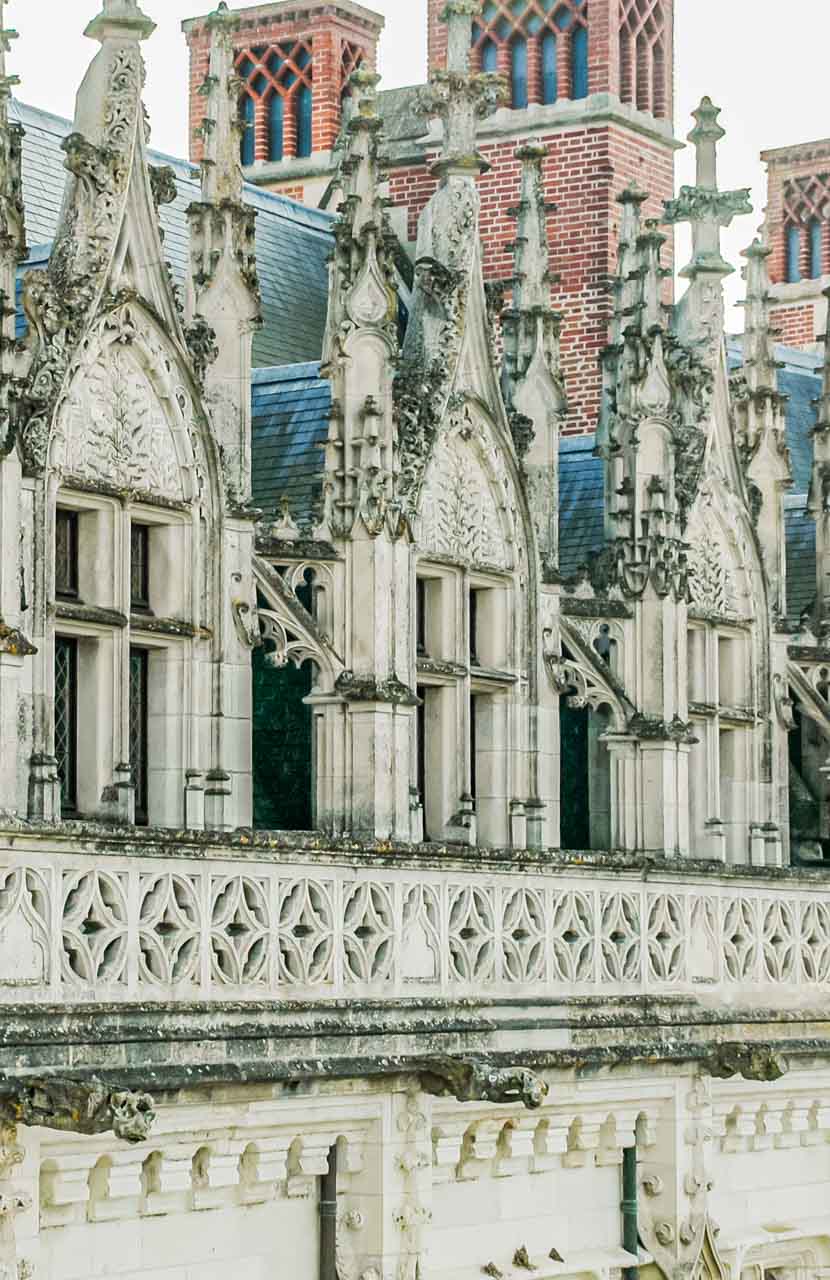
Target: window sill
89,613
151,625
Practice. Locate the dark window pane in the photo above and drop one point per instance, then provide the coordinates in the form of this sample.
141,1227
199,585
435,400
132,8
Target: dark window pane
66,720
579,63
421,616
276,125
66,553
473,628
793,255
518,58
140,566
246,115
138,730
550,69
304,104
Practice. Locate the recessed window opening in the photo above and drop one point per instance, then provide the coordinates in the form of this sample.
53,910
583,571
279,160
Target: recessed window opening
421,597
421,730
140,566
816,250
66,720
66,554
793,254
139,670
473,625
474,701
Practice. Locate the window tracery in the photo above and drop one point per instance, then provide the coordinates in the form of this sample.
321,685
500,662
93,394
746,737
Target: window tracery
540,46
277,100
806,205
643,56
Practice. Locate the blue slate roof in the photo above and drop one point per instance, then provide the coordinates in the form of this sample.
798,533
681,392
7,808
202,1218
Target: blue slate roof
801,557
290,423
293,242
581,503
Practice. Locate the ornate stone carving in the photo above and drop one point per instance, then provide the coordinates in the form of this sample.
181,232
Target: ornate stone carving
201,343
753,1062
163,183
76,1108
476,1081
112,429
461,512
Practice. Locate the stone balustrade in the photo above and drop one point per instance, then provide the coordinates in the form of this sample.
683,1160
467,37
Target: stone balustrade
94,920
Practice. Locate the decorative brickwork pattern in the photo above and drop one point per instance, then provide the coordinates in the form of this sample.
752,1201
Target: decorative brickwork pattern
276,103
540,46
286,54
798,197
643,56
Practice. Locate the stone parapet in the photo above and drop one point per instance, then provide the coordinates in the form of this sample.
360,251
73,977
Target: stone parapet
115,920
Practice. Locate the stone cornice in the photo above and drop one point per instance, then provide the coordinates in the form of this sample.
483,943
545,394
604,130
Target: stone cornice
302,12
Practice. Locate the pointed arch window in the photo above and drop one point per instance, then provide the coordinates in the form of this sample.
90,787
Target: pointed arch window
303,111
518,65
579,63
542,45
276,126
793,247
489,57
247,150
816,250
550,69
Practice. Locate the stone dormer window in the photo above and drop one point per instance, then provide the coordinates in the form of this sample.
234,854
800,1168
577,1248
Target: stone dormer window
121,621
720,699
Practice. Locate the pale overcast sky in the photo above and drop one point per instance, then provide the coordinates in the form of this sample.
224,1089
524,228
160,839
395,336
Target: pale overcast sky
766,72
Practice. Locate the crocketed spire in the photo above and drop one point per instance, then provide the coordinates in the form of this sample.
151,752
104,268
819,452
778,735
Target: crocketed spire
221,168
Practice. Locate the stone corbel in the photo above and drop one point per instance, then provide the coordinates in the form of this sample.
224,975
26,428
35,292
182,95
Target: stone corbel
70,1107
475,1080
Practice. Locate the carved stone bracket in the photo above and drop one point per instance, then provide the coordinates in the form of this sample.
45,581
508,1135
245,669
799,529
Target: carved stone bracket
71,1107
475,1080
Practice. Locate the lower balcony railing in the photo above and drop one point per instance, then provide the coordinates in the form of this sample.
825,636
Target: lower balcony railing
86,922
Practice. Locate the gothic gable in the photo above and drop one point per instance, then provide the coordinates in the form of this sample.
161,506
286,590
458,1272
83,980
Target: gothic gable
469,507
127,421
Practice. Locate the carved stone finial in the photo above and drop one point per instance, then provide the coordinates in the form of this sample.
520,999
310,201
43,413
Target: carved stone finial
703,205
221,168
120,20
459,98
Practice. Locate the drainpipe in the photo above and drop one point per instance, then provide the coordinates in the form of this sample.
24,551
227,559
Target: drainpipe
328,1220
631,1234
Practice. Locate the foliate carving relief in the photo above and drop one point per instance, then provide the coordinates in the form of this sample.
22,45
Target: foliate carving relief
711,577
112,430
468,509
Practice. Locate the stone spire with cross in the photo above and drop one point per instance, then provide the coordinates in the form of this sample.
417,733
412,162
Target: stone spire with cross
708,210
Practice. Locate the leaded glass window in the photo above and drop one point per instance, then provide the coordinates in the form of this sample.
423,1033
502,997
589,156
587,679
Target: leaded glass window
66,720
138,730
66,554
140,566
